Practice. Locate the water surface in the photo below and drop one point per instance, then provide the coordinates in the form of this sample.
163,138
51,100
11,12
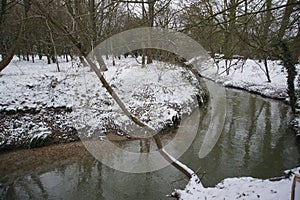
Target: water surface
255,142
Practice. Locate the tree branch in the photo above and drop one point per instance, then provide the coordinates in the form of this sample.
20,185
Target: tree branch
181,167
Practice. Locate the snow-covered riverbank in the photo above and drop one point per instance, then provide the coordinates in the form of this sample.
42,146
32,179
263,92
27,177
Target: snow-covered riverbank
36,101
242,188
250,75
49,96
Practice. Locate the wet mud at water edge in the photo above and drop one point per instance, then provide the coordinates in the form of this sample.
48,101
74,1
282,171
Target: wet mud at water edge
27,160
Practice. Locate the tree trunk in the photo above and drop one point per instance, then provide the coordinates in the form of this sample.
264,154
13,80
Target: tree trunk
11,52
151,4
229,29
288,55
288,62
286,18
54,46
143,57
265,38
295,47
93,19
112,93
27,56
229,37
2,11
267,69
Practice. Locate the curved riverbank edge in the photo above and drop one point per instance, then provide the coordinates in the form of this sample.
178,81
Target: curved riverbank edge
294,124
57,128
46,107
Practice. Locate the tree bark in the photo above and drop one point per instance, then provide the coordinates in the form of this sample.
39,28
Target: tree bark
12,50
181,167
2,11
265,38
286,18
288,62
54,46
295,47
151,4
267,69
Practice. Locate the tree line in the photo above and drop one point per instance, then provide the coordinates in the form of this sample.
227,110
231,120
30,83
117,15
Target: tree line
251,29
264,30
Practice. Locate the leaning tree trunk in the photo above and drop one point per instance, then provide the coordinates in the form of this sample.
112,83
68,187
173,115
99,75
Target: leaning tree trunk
181,167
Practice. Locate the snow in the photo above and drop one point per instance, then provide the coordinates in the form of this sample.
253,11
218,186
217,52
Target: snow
39,134
250,75
241,188
155,94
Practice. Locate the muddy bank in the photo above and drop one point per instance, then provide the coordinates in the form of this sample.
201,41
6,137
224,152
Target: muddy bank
30,159
38,128
35,128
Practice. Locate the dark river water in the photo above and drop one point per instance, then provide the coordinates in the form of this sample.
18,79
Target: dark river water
255,141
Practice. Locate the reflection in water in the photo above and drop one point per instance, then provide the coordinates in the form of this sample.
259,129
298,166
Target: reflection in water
90,180
255,142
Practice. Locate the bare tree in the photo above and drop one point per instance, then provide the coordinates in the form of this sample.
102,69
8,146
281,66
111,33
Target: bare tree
109,89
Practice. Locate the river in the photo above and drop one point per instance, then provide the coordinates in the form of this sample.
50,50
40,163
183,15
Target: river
255,142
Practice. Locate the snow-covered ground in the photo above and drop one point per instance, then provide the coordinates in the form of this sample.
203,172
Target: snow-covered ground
154,94
250,75
242,188
247,75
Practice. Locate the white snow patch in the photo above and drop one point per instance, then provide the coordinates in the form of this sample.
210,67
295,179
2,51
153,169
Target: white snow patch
154,93
250,75
241,188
